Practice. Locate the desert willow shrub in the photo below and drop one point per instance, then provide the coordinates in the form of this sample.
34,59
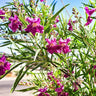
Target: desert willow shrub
64,50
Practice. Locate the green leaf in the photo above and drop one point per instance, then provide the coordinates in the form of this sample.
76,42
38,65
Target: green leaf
28,89
93,28
4,24
36,54
23,2
11,69
52,3
54,16
28,47
17,80
4,45
86,85
16,46
92,3
22,20
88,5
38,66
37,1
28,10
53,8
81,56
19,77
93,17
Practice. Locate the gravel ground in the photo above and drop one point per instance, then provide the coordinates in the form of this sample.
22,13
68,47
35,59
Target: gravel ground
5,87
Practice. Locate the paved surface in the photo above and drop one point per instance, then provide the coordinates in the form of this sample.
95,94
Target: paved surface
5,87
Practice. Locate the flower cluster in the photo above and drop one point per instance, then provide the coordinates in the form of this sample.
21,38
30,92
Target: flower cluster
15,23
89,12
70,26
52,77
41,0
34,26
60,88
43,92
4,65
2,12
62,47
60,91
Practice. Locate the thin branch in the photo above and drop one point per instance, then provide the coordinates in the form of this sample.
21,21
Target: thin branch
65,8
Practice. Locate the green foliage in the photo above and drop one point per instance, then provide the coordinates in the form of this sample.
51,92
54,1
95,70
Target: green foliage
32,54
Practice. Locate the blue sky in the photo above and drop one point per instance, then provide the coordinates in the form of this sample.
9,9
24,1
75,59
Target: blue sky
73,3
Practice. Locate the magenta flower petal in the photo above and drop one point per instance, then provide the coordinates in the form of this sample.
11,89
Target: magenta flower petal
70,26
57,19
66,49
52,46
29,19
50,73
64,42
41,0
54,26
3,59
51,49
58,49
4,65
87,10
7,66
58,90
75,86
13,26
2,70
66,94
2,12
66,76
43,90
33,20
40,29
94,66
43,94
90,12
34,26
68,40
51,42
15,23
89,20
46,94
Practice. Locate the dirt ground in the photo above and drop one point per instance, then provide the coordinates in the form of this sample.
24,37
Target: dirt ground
5,87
